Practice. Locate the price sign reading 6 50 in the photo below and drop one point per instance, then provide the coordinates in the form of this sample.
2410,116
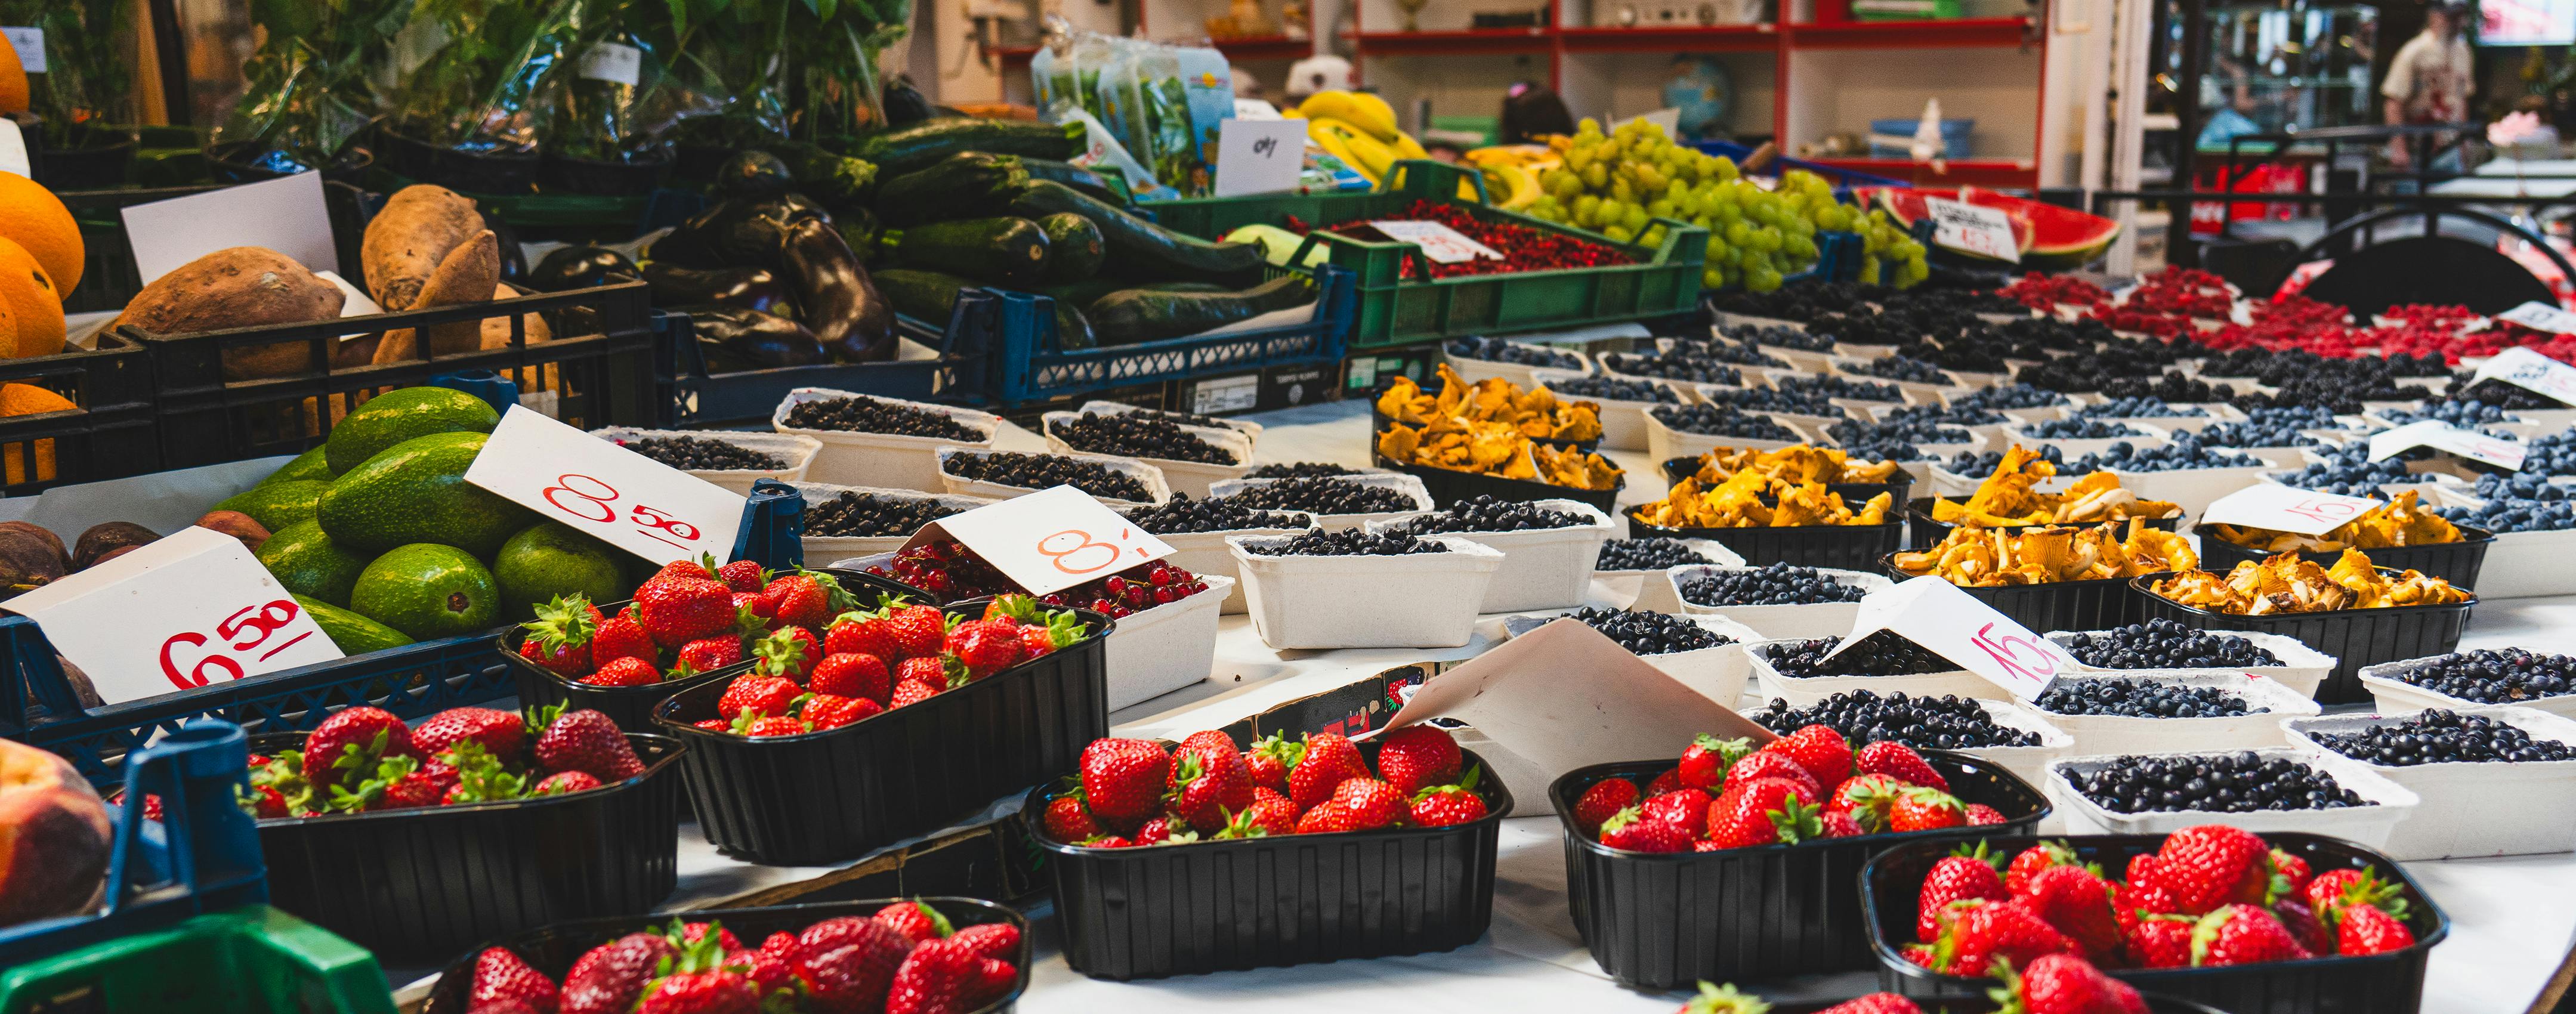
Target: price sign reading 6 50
606,491
191,610
247,633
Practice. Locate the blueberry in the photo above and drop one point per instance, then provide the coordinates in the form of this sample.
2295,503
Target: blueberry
1483,513
1646,554
1947,722
1776,584
1348,542
2436,736
2165,644
867,515
1135,435
1721,421
2136,698
1650,633
2496,676
1045,471
2241,782
702,454
1496,350
873,415
1324,496
1879,654
1182,514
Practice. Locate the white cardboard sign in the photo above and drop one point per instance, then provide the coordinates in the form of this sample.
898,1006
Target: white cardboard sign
2442,436
1258,156
30,44
2532,371
605,491
188,610
13,149
1972,228
1438,242
2286,509
615,62
1952,624
1049,540
284,214
2540,316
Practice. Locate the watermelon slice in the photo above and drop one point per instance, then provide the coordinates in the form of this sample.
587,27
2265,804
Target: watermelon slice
2051,238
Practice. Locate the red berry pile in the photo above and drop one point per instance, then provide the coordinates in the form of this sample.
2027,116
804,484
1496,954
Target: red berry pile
1135,792
868,663
365,759
1809,784
2050,984
1523,248
948,571
688,618
2046,292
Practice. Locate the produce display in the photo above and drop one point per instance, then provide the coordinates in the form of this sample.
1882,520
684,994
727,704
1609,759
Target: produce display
1486,514
1740,502
1349,543
905,959
1534,413
1772,584
867,663
1807,785
1682,363
1612,389
2008,497
365,760
2402,521
2289,583
1924,723
2439,736
2081,429
1047,471
2163,643
1998,557
1646,554
2139,408
1136,793
1299,470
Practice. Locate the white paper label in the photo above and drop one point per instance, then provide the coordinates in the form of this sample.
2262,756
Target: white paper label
2532,371
189,610
1952,624
2442,436
1438,242
2286,509
1226,394
1972,228
602,490
13,149
1255,109
30,44
1052,539
612,61
2541,317
1258,156
285,214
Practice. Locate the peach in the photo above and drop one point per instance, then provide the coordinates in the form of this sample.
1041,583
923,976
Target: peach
54,836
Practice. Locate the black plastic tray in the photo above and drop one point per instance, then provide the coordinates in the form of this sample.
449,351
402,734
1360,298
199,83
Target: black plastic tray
1448,486
2157,1003
1921,531
553,949
2391,983
2455,562
836,793
2057,605
1841,547
1664,921
424,883
1143,913
2357,638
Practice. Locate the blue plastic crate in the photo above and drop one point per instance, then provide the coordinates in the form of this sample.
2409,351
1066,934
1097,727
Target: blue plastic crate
688,394
411,681
1027,366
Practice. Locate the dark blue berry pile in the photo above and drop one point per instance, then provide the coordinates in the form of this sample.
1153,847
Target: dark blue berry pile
1879,654
1483,513
2186,452
1737,353
1764,399
2243,782
1947,722
1800,303
1646,554
1721,421
2464,414
2497,392
2140,698
1182,514
1838,387
1877,448
2080,429
2496,676
2507,514
2165,644
2172,386
867,515
1299,470
2554,454
1047,471
2436,736
1773,584
1324,496
1496,350
2257,434
1954,415
1911,430
871,415
1613,389
1135,435
1348,542
1650,633
2347,470
699,454
2139,408
1905,368
1782,337
1975,465
1681,362
2008,396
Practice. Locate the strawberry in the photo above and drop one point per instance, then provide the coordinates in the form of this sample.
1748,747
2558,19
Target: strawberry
788,653
2210,865
344,749
1629,830
753,723
913,921
474,776
934,979
2303,924
2241,934
1897,760
500,975
2160,941
2365,929
1454,804
1925,809
622,636
867,633
1981,815
1840,825
846,963
1818,748
2131,902
1922,955
984,647
743,576
1773,764
1417,757
832,711
1067,819
806,599
2064,984
1984,933
587,741
1716,999
1865,799
850,674
917,630
690,989
1320,819
703,568
708,654
1269,761
914,691
769,695
563,782
500,733
2031,860
1162,831
713,725
1328,760
2078,903
1966,873
1369,804
679,611
1605,797
1123,780
1684,808
2293,871
558,640
1207,783
624,671
1705,761
1762,811
992,941
1874,1003
2334,890
1668,781
607,979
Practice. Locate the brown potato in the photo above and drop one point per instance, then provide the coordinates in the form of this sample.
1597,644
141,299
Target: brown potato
238,525
408,241
104,542
44,536
245,286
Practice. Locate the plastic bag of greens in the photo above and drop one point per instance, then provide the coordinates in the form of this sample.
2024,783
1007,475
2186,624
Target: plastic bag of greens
1170,145
85,81
598,91
478,90
834,47
313,84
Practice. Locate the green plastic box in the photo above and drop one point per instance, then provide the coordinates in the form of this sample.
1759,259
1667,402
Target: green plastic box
251,960
1393,311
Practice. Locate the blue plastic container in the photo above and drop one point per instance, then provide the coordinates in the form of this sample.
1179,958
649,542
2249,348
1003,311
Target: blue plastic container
688,394
1025,364
1954,137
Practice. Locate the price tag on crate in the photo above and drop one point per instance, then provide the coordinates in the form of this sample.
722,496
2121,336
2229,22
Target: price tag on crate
2286,509
2532,371
1972,228
1049,540
614,62
2442,436
1952,624
1258,156
2539,316
616,495
191,609
1438,242
30,43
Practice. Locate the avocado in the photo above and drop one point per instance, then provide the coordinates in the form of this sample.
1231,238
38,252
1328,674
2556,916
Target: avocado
355,634
312,464
277,505
415,491
307,562
396,416
428,591
548,559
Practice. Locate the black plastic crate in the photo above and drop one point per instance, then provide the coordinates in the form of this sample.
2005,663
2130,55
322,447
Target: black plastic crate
2056,605
2157,1003
2357,638
1666,920
835,793
687,393
109,278
2391,983
2455,562
1921,531
425,883
1146,913
1842,547
110,435
555,947
1448,486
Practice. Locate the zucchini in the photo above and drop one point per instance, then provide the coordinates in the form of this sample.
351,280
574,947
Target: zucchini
1074,176
1073,248
1140,249
969,184
1010,252
1084,292
922,144
1144,315
931,297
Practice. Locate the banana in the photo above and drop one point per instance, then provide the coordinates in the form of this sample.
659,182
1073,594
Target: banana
1364,112
1405,146
1334,137
1520,184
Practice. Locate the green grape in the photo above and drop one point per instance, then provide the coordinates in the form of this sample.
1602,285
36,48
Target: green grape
1762,279
1712,278
1562,183
1799,248
1585,208
1635,219
1578,158
1768,238
1704,222
1869,270
1623,190
1613,211
1654,237
1589,127
1616,232
1831,217
1651,179
1907,248
1596,176
1795,201
1716,249
1740,233
1799,226
1726,169
1661,207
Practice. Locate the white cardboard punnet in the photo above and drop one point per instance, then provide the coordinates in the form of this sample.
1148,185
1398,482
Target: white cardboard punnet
835,547
1546,568
2115,734
1205,553
797,451
1652,590
1155,489
2386,803
1419,600
2392,695
1191,477
1156,651
2302,668
1718,673
882,459
1812,620
1663,441
1411,485
2470,809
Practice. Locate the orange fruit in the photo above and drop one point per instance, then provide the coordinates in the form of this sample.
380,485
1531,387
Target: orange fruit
13,82
32,299
36,220
29,399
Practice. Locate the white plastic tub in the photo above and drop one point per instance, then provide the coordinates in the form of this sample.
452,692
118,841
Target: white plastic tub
882,460
2385,803
1652,589
2108,734
834,547
1205,553
2394,696
1155,488
1664,442
798,451
1191,477
1410,484
1717,673
2301,670
1156,651
1244,426
1473,370
2473,809
1799,622
1422,600
1546,568
1623,423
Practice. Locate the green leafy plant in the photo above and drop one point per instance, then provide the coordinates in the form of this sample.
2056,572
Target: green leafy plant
312,85
88,80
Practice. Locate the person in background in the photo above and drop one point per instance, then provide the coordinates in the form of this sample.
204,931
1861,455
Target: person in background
2429,80
1531,112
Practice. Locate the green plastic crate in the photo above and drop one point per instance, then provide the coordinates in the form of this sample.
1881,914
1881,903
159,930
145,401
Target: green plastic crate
251,960
1397,312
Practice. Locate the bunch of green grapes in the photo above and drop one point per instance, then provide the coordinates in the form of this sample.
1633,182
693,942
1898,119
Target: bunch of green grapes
1617,184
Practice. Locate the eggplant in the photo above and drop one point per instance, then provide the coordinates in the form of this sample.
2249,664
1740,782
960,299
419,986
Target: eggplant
582,267
753,174
738,232
735,339
849,316
742,288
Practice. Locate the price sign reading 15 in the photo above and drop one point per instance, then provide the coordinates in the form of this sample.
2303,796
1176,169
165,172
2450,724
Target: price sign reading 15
606,491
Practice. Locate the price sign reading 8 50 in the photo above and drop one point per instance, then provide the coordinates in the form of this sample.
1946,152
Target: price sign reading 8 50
1053,539
600,489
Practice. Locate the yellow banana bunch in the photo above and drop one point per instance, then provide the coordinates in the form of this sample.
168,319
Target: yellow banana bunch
1372,157
1363,111
1535,158
1510,187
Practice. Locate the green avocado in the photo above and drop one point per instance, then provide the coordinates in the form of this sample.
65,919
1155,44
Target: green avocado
307,562
428,591
312,464
548,559
277,506
415,491
355,634
396,416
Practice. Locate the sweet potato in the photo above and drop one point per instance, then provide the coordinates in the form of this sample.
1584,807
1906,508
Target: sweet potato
471,273
244,286
496,330
411,238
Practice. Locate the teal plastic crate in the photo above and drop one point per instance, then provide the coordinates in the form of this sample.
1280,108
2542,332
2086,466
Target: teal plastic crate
1395,311
252,960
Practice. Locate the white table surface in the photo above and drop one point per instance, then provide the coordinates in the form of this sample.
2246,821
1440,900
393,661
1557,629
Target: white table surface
2501,950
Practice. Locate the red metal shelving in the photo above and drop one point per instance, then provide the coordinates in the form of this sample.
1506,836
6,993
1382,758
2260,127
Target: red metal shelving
1694,38
1455,43
1980,172
1957,33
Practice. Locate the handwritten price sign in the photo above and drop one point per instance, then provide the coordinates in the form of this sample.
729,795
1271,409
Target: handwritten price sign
1972,228
1438,242
1050,540
2442,436
2541,317
2286,509
2532,371
192,609
1952,624
600,489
